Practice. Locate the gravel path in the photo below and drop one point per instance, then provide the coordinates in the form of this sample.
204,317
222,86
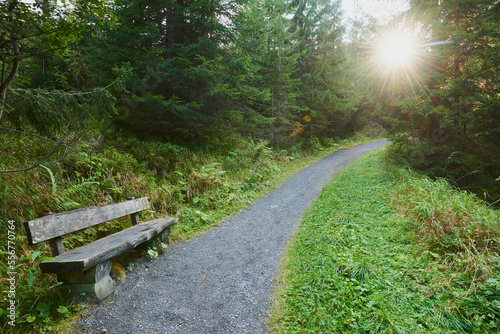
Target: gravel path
222,281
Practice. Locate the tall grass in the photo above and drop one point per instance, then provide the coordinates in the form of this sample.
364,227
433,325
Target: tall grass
462,232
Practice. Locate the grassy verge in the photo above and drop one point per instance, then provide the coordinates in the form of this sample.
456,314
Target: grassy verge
388,251
200,187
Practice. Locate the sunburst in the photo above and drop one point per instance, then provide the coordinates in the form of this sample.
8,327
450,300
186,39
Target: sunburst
397,49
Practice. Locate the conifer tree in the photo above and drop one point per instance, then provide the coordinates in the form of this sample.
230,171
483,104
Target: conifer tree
322,67
28,28
455,114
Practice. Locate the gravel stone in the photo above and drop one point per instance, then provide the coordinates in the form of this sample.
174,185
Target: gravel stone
222,281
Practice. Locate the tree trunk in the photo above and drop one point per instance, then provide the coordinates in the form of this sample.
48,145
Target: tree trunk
15,65
6,83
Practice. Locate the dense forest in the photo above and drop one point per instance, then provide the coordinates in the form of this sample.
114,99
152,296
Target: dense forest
102,100
202,73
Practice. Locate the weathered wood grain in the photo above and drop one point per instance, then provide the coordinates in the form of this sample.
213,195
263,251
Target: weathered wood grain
59,224
57,246
92,275
135,218
163,239
101,289
85,257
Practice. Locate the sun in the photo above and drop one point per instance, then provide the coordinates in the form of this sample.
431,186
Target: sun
396,49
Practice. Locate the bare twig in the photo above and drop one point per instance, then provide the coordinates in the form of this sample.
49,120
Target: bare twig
97,90
28,134
491,204
39,162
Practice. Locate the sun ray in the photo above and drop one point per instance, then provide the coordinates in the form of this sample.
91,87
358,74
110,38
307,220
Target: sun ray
396,64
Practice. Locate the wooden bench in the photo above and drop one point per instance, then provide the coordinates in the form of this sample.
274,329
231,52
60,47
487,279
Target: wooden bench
86,269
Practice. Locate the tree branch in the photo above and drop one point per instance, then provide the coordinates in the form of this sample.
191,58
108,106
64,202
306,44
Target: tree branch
35,135
94,91
491,204
39,162
27,134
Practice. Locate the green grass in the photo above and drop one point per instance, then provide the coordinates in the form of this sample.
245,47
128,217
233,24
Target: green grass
359,263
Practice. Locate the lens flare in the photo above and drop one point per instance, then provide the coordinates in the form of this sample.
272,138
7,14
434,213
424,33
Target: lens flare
396,49
395,64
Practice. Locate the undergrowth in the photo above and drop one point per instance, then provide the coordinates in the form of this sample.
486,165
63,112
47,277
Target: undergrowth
199,186
456,225
389,251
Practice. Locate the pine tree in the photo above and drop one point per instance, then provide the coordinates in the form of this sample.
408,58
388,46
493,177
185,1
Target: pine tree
455,115
322,67
29,28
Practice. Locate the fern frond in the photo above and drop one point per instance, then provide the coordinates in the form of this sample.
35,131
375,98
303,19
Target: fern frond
52,179
78,189
65,201
64,204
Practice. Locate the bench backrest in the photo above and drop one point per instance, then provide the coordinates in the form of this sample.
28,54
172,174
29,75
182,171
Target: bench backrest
58,224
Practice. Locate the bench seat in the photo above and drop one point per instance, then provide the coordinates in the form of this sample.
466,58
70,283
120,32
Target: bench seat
83,258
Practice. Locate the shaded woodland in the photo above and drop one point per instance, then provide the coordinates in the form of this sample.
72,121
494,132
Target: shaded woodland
202,73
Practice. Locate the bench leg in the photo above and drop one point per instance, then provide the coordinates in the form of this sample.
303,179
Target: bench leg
163,238
94,281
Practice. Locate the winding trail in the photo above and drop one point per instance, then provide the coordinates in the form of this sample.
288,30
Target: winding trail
222,281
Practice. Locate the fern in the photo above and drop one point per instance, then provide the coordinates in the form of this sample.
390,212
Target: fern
52,179
64,200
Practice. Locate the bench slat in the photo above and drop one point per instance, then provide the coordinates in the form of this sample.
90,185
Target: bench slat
85,257
59,224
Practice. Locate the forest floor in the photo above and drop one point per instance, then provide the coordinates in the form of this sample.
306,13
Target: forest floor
222,281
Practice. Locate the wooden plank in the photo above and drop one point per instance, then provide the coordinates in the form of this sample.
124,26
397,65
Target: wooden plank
135,218
59,224
57,246
163,239
85,257
92,275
